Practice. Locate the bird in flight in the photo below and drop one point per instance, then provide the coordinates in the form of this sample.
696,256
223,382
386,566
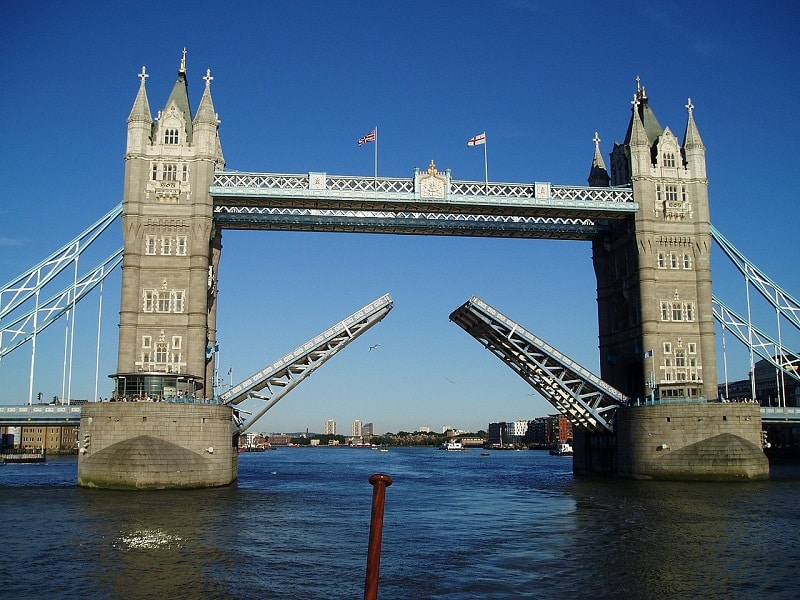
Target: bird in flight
374,347
450,380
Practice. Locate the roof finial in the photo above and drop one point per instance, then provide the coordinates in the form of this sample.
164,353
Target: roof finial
183,62
208,78
690,107
143,75
635,101
638,83
596,140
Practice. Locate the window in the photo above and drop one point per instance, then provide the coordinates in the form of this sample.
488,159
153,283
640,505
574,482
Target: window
154,176
171,136
161,353
687,261
680,358
147,342
677,311
180,245
672,193
690,311
665,311
166,246
667,348
150,245
662,261
185,172
170,172
163,303
177,301
150,298
176,342
692,347
658,193
673,260
669,159
684,196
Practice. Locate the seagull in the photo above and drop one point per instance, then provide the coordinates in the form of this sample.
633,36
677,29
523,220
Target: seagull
374,346
450,380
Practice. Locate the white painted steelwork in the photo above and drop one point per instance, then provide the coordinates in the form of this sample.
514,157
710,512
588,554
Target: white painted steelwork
586,400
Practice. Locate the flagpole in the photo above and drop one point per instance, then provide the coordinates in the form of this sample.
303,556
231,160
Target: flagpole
485,165
376,158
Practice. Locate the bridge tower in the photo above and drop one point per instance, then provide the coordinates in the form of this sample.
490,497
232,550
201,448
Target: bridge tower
168,311
169,432
653,271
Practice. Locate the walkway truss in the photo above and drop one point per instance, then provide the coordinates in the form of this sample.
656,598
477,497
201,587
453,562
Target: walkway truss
585,399
282,376
768,348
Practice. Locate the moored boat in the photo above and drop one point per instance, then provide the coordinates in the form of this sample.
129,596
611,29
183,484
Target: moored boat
562,449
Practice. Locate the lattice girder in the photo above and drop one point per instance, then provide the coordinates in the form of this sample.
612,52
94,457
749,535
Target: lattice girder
762,344
585,399
282,376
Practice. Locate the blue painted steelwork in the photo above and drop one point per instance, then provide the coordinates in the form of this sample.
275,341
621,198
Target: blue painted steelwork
39,414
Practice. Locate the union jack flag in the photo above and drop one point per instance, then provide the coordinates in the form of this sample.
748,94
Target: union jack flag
370,137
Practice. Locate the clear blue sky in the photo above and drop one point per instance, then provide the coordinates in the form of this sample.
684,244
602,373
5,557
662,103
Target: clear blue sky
297,83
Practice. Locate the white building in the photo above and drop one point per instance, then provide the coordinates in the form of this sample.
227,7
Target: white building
330,427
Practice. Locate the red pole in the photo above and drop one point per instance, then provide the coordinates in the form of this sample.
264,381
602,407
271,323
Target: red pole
379,483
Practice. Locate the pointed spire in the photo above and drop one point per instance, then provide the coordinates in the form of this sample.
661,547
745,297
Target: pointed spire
598,174
205,112
141,107
692,139
180,96
652,127
637,136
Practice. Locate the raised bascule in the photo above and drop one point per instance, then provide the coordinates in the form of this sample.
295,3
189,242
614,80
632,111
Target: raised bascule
652,412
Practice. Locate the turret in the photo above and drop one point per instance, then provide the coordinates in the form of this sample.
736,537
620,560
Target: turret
140,121
598,174
206,126
693,148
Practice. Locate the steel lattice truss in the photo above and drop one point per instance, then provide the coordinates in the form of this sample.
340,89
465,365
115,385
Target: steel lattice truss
16,292
322,202
16,327
787,305
752,337
586,400
279,378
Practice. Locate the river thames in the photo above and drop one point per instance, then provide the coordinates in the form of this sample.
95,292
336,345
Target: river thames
457,525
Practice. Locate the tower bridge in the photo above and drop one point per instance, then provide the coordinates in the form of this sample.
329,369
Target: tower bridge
647,218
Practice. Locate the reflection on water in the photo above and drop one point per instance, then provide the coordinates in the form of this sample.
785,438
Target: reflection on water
457,526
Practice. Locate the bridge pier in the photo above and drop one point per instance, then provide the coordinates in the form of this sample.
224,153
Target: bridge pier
699,441
156,445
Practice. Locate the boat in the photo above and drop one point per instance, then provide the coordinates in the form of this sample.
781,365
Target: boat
484,454
562,449
453,446
384,449
14,458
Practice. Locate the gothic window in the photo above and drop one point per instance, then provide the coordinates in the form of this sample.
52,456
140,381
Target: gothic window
170,172
154,175
658,193
150,245
147,358
665,311
673,260
176,342
680,358
684,197
180,245
161,353
171,136
687,261
166,246
147,342
163,303
150,297
185,172
672,193
667,348
690,311
669,159
677,311
662,262
177,301
692,347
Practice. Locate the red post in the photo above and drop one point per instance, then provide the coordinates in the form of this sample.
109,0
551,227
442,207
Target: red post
379,483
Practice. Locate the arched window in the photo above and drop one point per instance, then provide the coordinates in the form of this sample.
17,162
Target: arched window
171,136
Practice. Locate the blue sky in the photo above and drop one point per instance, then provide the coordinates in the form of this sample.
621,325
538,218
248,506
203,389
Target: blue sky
297,83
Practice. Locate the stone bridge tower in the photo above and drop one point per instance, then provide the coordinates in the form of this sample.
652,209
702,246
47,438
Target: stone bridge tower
653,272
168,311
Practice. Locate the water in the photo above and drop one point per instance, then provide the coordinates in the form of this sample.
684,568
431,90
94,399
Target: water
458,525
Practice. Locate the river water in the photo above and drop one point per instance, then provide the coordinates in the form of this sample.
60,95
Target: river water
457,525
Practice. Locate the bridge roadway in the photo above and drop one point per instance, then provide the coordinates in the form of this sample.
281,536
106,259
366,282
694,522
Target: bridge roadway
429,203
33,415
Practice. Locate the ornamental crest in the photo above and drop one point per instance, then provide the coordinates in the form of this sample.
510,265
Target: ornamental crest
432,183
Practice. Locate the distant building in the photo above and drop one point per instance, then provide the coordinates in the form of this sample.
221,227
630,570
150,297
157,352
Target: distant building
424,429
548,431
54,440
771,387
367,430
330,427
357,429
